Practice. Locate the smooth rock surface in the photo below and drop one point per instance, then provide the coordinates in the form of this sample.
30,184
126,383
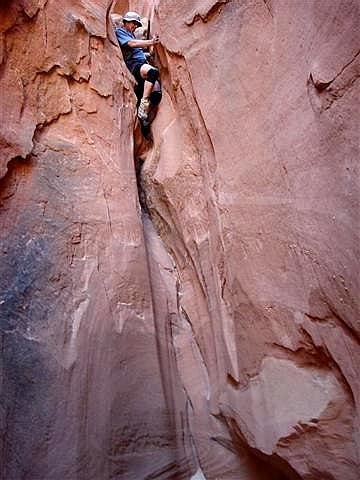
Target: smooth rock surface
83,359
201,320
254,186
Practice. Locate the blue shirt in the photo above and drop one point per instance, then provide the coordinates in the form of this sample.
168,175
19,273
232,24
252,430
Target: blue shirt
133,56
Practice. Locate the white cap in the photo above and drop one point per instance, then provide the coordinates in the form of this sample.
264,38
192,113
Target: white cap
132,17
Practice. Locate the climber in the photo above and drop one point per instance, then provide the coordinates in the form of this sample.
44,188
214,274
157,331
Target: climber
132,49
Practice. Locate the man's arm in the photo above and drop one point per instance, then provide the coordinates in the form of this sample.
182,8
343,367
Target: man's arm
135,43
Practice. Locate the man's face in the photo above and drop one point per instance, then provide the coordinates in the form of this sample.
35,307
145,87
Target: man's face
133,26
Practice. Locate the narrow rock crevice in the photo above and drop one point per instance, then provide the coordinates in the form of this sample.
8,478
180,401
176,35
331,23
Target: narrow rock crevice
186,460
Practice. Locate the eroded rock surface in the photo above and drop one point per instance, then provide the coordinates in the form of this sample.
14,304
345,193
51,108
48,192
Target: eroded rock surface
253,184
212,331
82,388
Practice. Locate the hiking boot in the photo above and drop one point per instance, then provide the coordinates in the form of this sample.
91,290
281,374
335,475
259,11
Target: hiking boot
143,109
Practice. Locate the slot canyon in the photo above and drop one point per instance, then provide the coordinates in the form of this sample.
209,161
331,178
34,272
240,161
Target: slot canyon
183,306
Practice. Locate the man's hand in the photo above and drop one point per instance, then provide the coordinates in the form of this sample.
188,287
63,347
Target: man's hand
155,39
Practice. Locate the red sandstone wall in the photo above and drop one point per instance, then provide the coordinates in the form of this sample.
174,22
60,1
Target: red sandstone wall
253,183
82,368
229,343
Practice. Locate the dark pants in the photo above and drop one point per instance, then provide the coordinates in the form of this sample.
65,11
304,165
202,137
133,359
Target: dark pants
155,96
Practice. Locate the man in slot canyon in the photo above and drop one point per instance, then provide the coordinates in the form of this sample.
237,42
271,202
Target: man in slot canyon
135,59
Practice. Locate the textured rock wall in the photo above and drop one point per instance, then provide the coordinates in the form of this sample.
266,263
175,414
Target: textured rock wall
215,328
253,183
82,365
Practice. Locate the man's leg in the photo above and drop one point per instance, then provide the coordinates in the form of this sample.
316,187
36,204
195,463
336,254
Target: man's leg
150,75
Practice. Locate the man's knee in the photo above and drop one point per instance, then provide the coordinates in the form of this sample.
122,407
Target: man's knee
152,75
